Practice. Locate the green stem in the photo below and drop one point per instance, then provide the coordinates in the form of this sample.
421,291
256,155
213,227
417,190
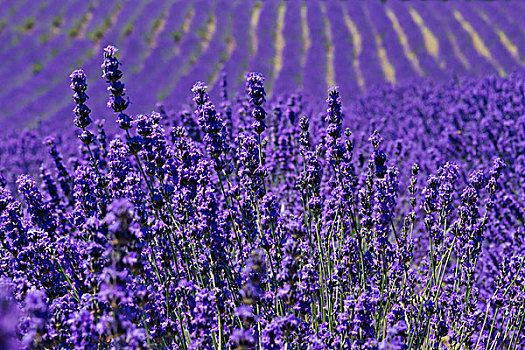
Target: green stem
104,186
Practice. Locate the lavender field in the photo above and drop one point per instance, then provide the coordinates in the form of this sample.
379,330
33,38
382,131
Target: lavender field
298,174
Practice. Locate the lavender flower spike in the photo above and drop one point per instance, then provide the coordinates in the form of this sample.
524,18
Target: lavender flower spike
117,89
257,95
79,86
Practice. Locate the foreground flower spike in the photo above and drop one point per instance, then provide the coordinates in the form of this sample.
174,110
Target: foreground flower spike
334,116
116,101
82,119
334,119
257,96
378,157
210,122
79,86
200,96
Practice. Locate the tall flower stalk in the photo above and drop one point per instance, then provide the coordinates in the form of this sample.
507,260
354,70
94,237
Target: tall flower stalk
82,119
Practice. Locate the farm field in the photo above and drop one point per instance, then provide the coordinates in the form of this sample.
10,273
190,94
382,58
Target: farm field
168,45
216,174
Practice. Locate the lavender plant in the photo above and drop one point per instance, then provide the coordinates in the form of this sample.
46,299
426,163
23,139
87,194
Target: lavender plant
195,230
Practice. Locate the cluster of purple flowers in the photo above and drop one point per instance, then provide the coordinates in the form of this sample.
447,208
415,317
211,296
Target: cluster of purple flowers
269,226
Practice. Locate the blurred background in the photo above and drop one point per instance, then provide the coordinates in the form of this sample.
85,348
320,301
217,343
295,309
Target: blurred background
165,46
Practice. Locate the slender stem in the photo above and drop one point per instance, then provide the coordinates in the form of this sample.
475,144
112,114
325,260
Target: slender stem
261,159
104,185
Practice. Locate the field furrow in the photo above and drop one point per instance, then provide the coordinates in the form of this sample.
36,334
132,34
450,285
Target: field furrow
478,42
238,63
314,79
506,32
265,23
422,40
369,62
207,62
357,48
344,74
402,37
451,55
379,35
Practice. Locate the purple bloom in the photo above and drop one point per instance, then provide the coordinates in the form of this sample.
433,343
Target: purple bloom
257,96
79,86
116,88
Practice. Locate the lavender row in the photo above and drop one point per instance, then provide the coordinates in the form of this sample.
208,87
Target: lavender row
34,50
